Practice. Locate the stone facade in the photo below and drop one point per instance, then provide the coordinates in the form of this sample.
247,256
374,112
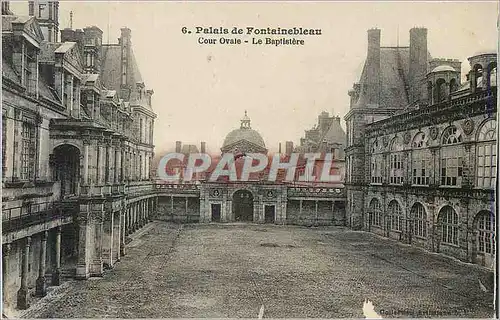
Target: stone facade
422,169
77,148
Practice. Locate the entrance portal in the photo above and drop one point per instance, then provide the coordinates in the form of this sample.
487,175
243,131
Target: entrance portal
215,212
243,205
66,166
269,214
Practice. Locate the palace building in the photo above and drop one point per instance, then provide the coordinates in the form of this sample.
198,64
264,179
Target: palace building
421,149
258,199
77,128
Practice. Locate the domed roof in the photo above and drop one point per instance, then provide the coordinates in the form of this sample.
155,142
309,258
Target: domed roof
443,68
245,132
483,52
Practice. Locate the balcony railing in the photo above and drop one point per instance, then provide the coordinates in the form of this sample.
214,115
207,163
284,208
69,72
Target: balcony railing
320,192
177,188
21,217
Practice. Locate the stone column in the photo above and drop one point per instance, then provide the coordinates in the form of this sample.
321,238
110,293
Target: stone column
5,274
82,266
117,235
96,264
225,213
56,273
136,216
41,289
316,212
22,294
171,208
186,209
118,165
85,172
123,232
300,208
107,236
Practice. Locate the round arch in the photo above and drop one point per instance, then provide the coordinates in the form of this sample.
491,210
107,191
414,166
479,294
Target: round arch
65,163
242,205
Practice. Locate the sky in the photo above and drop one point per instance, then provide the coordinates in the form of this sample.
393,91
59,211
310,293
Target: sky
202,91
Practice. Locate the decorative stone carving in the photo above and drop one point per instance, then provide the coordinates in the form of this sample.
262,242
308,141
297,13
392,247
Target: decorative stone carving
433,133
270,193
406,137
385,141
216,193
468,126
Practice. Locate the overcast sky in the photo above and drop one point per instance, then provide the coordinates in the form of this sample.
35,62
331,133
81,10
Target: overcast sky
201,92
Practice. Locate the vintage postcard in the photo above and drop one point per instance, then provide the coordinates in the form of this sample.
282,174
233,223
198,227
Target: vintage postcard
248,159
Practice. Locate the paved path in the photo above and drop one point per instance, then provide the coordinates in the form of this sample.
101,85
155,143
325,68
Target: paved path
243,270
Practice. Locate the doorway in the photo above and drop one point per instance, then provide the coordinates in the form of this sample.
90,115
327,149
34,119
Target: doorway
243,205
269,213
216,212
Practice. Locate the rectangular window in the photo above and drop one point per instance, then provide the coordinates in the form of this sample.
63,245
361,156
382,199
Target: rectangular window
376,169
396,169
421,165
27,151
486,165
451,166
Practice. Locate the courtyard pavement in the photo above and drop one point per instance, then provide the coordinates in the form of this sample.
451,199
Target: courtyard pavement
251,271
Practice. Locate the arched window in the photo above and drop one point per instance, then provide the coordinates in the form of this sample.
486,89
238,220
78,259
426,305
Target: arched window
485,227
440,90
487,155
421,160
448,222
476,75
376,163
453,85
375,212
419,220
396,162
395,216
451,157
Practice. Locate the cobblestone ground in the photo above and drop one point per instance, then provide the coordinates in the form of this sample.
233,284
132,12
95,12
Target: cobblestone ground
233,270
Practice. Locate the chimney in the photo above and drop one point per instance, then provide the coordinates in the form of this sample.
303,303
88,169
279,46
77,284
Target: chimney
289,147
178,146
67,35
203,147
6,8
79,34
279,148
418,64
372,81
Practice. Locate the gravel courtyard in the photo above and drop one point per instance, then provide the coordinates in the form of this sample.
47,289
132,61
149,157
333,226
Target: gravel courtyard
241,270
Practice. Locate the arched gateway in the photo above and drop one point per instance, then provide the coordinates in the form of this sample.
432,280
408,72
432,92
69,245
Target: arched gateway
243,205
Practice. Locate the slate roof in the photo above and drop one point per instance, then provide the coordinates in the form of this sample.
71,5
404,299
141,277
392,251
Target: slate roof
111,71
394,70
9,72
334,134
64,47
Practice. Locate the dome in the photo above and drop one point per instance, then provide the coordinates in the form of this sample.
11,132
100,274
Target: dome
484,52
244,134
443,68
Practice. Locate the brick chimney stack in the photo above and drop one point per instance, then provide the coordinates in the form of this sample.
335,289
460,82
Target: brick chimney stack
372,81
418,65
178,146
